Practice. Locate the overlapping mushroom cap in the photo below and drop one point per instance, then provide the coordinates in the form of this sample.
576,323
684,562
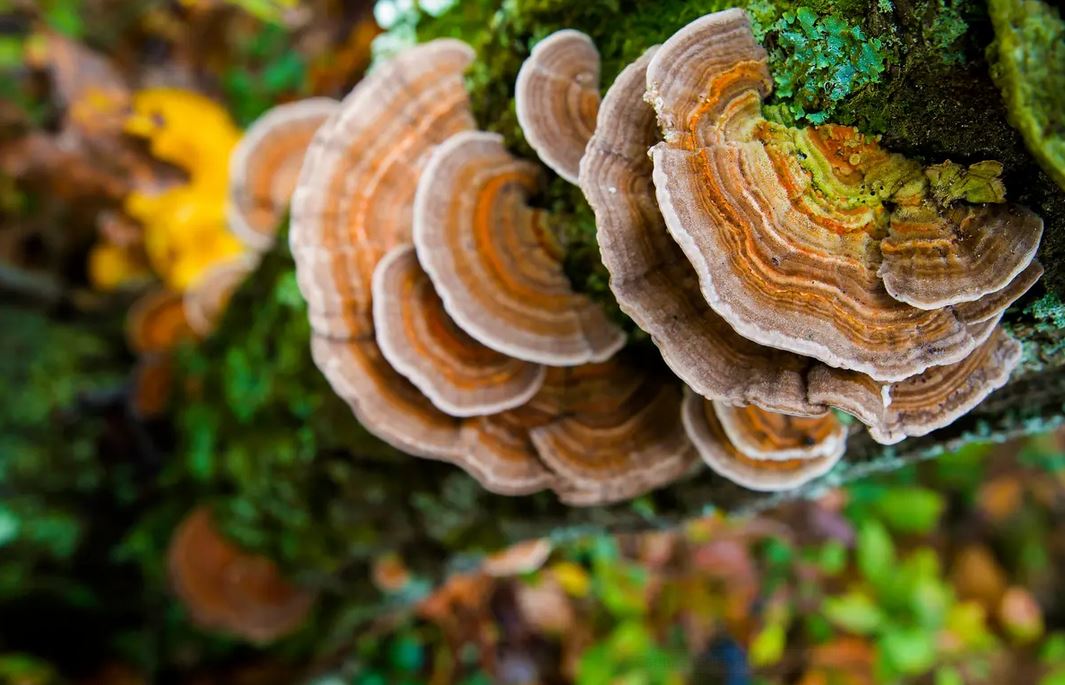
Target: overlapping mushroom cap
556,97
762,450
225,588
415,372
497,263
264,167
796,234
458,374
354,198
657,287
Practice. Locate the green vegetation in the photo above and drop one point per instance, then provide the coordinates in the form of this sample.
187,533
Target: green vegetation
1028,64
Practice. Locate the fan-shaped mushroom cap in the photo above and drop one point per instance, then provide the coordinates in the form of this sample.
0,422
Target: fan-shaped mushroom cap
264,167
205,301
556,97
461,376
496,263
933,260
392,408
766,475
523,557
617,435
354,197
156,322
353,204
785,226
652,280
761,434
225,588
925,402
992,305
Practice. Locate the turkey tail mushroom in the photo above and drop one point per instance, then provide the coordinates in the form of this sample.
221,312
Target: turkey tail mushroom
265,165
556,97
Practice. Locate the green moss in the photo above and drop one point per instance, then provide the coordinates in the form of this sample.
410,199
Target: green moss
818,62
1028,64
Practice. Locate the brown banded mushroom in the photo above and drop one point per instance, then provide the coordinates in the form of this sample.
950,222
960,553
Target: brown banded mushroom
701,422
786,227
934,259
925,402
354,198
556,98
458,374
495,260
206,300
264,167
762,434
227,589
991,306
616,434
653,282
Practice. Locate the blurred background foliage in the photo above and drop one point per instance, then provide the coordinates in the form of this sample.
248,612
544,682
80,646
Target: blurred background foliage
116,121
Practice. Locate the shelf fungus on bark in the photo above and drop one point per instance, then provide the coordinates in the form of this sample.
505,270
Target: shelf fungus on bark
459,375
653,282
924,402
614,435
495,260
556,97
763,434
264,167
791,230
206,300
354,197
227,589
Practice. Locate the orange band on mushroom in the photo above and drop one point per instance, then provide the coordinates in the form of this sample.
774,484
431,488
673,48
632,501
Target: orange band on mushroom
460,375
720,454
355,193
652,280
496,264
556,98
264,167
791,230
618,434
762,434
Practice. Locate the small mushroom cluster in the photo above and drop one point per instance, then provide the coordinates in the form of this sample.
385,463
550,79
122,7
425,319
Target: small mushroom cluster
780,273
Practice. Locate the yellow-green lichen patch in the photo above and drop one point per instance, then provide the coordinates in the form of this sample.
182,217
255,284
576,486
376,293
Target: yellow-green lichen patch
1028,64
979,182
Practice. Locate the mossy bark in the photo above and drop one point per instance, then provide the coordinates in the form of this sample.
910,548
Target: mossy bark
259,432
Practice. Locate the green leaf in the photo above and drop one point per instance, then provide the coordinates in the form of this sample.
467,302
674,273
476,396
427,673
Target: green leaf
854,612
876,552
911,509
909,651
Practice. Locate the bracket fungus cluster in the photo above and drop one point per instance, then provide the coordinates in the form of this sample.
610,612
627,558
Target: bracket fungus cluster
224,588
439,305
781,273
